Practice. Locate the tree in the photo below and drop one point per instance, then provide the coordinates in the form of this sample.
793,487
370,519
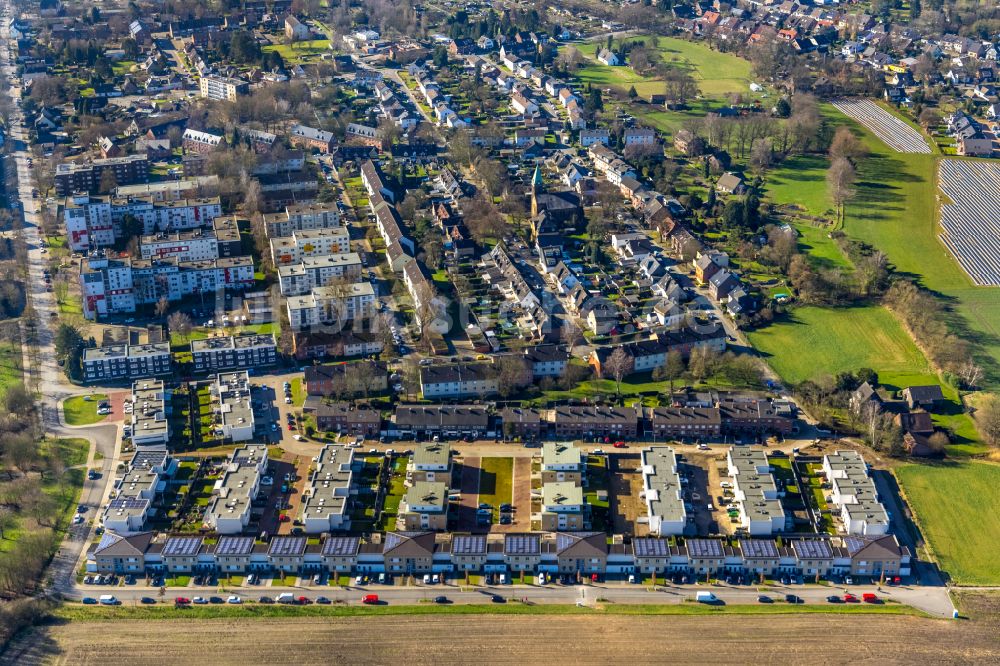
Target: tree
162,306
618,365
570,334
513,374
761,155
67,340
987,416
670,371
108,181
845,144
840,179
180,323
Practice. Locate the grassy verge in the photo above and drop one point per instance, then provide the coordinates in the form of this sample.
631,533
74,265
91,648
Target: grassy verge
80,411
79,612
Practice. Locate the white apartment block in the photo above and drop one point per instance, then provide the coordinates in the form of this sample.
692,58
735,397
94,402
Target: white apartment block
326,500
193,245
662,489
229,510
302,217
93,222
853,493
756,492
149,413
309,243
232,405
331,305
302,277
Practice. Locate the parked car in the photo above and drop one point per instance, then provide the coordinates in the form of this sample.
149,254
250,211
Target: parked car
369,599
850,599
869,598
764,599
441,600
322,600
148,600
234,599
89,600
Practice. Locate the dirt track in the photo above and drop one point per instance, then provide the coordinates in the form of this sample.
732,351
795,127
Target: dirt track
482,639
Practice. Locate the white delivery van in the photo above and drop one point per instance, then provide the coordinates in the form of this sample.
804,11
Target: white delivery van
108,599
285,598
706,598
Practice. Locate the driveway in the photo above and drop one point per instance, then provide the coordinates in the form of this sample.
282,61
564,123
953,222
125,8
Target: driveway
468,486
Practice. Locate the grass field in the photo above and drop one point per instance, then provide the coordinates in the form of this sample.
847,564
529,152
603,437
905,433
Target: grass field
11,364
382,636
812,342
299,52
956,509
716,73
496,480
80,411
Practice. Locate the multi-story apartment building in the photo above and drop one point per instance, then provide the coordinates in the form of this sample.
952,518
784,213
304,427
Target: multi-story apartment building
149,413
431,462
301,217
331,306
562,507
87,177
756,493
459,380
854,494
311,138
192,245
662,491
201,143
123,361
94,222
562,462
229,510
231,398
114,286
233,352
222,87
302,277
424,507
326,499
309,243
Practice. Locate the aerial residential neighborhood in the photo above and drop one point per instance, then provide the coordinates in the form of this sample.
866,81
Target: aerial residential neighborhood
588,310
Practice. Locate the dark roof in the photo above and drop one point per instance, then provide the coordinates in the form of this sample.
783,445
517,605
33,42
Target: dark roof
650,547
113,544
813,549
924,393
594,543
438,374
704,547
409,544
341,546
468,545
177,546
522,544
234,545
758,548
287,545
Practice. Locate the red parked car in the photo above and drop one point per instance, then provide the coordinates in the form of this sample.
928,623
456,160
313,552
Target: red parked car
620,445
850,598
870,597
370,599
303,600
182,601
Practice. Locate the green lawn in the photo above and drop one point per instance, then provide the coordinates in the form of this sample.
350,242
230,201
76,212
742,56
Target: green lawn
249,609
800,181
717,73
390,507
11,364
896,210
299,52
496,480
811,342
955,507
298,395
80,411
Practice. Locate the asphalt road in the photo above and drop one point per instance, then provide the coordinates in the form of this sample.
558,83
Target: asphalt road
45,374
934,601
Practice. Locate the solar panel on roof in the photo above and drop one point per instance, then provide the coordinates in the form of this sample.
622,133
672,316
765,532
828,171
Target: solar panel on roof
758,548
813,548
340,545
468,545
182,546
647,547
234,545
521,544
704,548
128,503
287,546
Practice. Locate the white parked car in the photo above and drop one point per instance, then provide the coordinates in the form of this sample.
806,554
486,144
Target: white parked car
233,599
